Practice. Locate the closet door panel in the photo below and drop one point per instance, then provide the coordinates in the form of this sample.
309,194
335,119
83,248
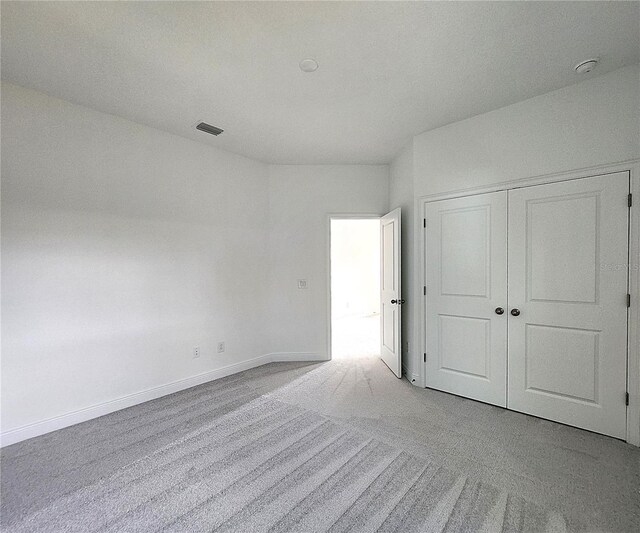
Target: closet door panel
466,281
568,281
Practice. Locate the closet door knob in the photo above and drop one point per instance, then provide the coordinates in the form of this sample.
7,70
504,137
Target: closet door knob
499,311
515,312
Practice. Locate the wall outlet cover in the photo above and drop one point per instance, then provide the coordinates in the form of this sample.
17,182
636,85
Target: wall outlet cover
221,347
302,284
196,352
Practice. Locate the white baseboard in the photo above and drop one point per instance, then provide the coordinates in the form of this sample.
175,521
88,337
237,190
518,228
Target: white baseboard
281,357
48,425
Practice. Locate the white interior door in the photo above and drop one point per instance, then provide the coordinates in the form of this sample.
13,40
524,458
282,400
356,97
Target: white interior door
568,280
390,292
466,296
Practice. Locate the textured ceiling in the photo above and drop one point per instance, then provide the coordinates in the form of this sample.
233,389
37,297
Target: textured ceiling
388,70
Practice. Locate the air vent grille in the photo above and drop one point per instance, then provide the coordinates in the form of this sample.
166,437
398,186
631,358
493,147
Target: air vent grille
208,128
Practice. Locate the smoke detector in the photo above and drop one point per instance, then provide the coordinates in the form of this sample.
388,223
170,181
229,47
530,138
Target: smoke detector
586,66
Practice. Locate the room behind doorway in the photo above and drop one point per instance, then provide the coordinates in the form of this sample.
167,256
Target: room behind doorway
355,287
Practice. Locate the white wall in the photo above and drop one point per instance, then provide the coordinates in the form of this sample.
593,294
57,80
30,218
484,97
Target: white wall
300,200
401,195
123,247
591,123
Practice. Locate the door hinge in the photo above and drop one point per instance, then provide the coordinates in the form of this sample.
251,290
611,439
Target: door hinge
424,222
628,300
630,200
626,398
424,290
425,357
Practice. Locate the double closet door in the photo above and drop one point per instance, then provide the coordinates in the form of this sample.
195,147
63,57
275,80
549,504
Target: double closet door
526,300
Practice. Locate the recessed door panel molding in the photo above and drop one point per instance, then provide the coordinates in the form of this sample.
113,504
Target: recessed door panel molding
465,346
389,331
465,266
567,344
466,281
564,268
388,266
390,293
562,362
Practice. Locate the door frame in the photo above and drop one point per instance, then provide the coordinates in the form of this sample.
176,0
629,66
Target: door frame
330,217
633,313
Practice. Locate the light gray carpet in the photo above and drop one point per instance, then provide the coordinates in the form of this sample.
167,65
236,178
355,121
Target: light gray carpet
284,447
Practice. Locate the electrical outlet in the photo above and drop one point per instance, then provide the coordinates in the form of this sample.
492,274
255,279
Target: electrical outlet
221,347
196,352
302,284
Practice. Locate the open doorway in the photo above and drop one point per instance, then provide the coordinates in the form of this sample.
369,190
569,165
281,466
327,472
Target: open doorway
355,287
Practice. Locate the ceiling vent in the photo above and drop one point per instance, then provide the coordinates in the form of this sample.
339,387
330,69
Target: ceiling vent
208,128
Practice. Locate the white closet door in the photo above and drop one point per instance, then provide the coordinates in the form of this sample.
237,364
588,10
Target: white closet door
568,279
466,275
